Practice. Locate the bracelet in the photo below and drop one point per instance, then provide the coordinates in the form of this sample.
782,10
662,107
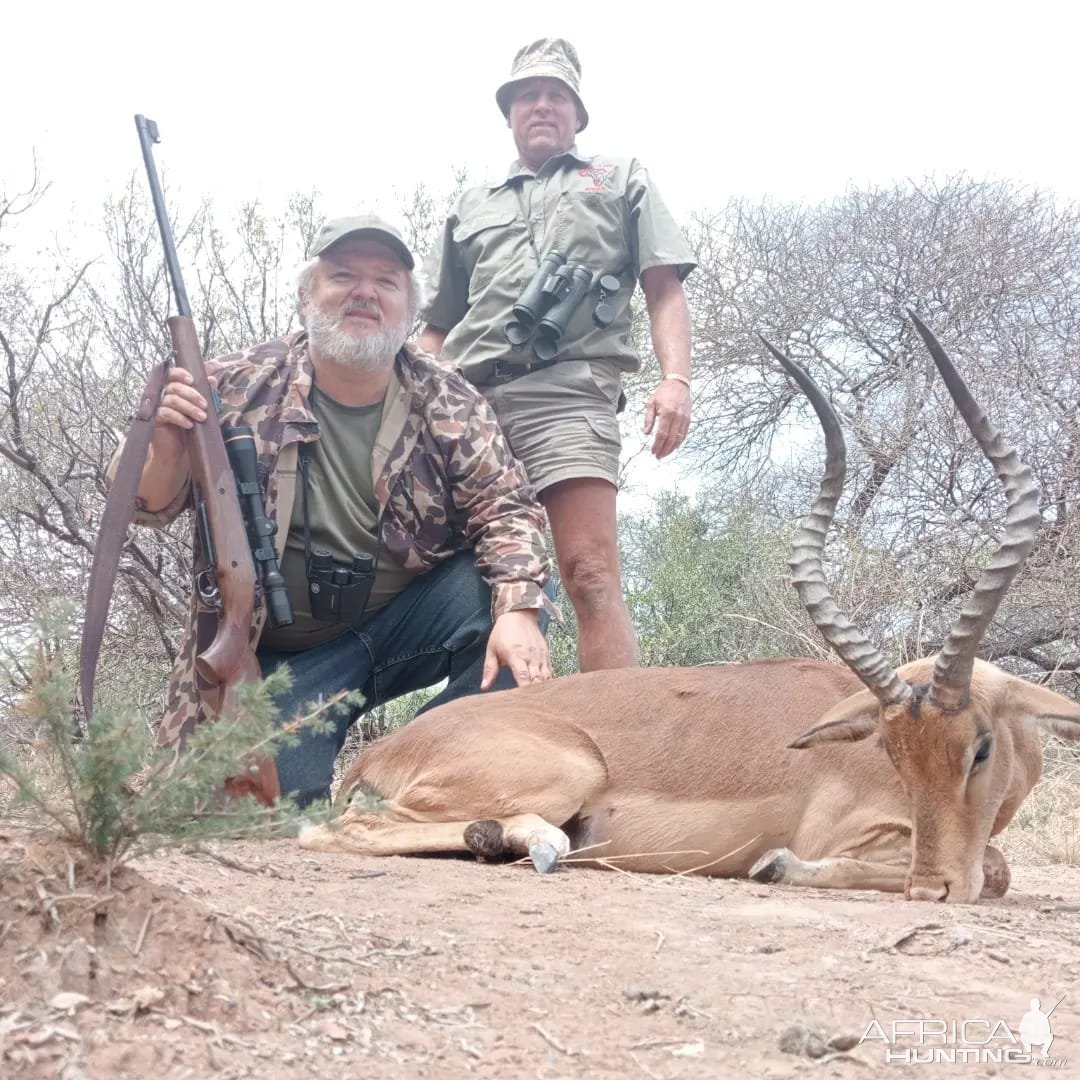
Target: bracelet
678,378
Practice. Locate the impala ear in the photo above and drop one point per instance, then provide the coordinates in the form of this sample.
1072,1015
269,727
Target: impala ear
1055,713
850,720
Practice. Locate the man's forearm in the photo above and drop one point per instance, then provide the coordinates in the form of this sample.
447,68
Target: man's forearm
166,471
669,320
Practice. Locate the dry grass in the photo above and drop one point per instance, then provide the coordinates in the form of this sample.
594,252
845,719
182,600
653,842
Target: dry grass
1046,829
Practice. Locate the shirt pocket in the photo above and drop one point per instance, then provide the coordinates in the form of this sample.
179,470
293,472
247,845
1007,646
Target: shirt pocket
592,228
485,241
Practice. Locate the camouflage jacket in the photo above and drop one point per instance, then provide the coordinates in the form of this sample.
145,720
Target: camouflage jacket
444,478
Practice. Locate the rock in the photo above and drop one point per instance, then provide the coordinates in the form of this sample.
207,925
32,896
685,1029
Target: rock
802,1041
67,1000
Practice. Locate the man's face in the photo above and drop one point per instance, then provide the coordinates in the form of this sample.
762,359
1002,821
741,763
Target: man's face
544,119
357,309
363,284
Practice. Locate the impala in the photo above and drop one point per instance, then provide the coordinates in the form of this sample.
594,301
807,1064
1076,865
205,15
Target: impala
793,771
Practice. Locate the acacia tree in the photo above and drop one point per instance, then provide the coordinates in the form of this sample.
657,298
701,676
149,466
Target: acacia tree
994,269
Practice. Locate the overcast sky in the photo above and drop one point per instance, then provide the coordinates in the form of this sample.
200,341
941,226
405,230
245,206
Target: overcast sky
359,101
786,99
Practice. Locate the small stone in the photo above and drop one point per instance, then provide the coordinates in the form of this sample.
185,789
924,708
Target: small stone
1001,958
694,1049
65,1001
841,1044
329,1029
802,1041
146,997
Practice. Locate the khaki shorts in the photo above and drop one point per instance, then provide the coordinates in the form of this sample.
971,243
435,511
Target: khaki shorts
560,421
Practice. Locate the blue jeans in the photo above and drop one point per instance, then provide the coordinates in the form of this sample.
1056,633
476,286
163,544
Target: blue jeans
437,628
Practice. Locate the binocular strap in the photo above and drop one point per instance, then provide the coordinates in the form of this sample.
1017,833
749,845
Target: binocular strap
304,451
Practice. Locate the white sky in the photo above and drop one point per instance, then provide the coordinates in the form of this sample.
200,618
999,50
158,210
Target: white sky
790,100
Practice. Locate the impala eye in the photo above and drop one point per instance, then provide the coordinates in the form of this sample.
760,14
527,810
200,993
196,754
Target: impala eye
982,752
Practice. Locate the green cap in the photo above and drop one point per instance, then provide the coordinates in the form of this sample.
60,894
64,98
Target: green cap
362,225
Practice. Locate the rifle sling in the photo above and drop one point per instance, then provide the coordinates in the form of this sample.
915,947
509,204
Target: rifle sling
260,777
112,533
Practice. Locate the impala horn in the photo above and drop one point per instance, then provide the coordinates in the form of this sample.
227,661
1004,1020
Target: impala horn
851,645
951,683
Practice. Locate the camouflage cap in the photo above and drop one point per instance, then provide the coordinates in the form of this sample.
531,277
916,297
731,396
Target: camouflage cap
362,225
552,58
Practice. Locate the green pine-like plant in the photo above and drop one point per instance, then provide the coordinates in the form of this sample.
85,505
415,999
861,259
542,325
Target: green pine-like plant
115,794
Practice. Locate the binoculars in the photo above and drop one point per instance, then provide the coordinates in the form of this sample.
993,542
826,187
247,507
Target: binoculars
549,301
339,594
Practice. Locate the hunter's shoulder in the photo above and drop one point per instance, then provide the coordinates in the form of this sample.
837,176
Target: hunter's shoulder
441,389
276,352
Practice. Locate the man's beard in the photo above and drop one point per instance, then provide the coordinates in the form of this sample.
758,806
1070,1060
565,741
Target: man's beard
367,353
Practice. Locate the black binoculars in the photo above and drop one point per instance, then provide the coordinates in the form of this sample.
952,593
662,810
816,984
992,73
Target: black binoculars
240,447
549,301
339,594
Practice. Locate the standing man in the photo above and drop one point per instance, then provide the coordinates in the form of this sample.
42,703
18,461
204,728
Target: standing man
383,472
557,394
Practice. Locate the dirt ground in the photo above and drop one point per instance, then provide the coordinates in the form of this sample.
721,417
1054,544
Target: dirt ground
266,960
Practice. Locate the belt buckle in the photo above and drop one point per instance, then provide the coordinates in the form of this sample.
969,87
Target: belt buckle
504,371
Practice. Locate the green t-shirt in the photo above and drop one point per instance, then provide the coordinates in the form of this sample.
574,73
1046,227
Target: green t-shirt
343,516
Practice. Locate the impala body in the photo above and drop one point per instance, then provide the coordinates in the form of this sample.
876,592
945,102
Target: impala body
792,771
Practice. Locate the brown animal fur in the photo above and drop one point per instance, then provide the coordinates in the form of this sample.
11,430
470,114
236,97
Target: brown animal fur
690,770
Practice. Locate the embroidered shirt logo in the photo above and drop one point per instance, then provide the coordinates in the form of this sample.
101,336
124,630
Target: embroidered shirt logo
599,175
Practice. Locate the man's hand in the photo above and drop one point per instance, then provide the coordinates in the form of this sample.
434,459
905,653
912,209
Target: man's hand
668,411
516,643
182,406
166,468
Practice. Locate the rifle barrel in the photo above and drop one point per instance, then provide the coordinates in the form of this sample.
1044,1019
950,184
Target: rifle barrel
148,135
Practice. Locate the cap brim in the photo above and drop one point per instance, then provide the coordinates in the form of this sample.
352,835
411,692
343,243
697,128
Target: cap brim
391,241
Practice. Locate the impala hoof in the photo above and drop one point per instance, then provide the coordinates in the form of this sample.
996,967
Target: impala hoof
544,857
772,867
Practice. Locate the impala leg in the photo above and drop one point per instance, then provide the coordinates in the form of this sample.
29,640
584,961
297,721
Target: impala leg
523,834
782,867
374,834
367,833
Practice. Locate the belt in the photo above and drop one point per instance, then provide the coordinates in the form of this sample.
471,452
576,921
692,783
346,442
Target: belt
504,371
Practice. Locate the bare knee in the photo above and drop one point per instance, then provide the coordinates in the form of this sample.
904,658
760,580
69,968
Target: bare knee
591,581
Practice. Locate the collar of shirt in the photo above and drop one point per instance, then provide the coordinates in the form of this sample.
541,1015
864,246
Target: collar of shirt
517,170
298,409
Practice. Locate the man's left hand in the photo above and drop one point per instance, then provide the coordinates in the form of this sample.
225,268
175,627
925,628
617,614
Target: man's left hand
668,411
516,643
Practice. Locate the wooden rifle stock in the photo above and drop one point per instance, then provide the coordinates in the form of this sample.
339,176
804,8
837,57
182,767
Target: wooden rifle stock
228,659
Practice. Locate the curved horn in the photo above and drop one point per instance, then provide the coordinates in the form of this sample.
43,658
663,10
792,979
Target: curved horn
851,645
952,670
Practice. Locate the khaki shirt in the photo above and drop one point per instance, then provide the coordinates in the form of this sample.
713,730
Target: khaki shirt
600,211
